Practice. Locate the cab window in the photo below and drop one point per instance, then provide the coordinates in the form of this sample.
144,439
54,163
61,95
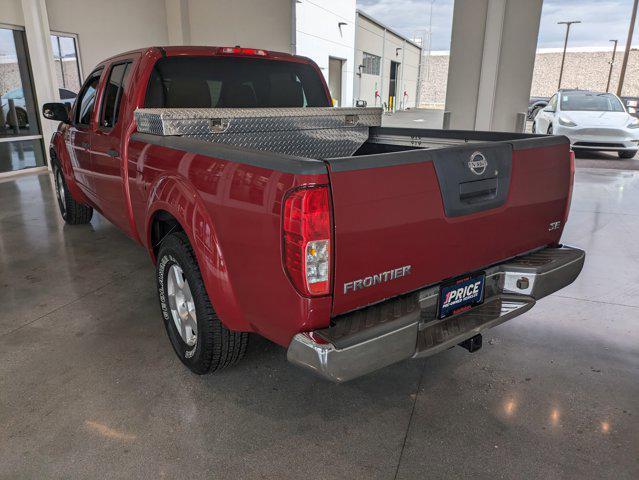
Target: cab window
233,82
113,91
86,99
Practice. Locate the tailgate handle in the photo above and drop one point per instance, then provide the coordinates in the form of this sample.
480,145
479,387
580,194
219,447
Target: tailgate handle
478,191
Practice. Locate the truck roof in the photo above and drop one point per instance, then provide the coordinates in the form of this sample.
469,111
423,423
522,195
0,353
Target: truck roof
210,50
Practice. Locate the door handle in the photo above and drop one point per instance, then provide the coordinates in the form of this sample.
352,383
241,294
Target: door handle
84,145
113,153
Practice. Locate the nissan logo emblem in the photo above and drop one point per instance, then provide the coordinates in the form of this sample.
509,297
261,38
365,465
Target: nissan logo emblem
477,163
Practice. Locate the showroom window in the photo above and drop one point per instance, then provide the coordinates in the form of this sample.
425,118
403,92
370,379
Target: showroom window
371,63
67,64
20,134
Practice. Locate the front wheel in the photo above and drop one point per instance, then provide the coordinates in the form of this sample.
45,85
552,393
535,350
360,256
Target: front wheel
72,212
627,154
534,113
197,335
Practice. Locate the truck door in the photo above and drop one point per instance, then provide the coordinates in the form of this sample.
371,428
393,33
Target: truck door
106,154
79,136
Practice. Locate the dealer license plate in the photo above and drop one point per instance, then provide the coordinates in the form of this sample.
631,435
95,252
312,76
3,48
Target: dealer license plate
460,295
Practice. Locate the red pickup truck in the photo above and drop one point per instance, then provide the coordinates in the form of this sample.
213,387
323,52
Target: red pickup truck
265,210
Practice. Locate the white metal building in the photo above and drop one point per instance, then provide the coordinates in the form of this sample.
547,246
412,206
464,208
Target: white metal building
47,46
387,65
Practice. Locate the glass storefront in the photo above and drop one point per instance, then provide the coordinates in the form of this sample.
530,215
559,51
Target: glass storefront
20,135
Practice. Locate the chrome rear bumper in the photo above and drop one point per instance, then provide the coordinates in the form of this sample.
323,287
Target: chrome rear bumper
405,327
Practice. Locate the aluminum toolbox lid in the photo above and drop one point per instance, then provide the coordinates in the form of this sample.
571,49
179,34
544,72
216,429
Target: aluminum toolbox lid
311,132
205,121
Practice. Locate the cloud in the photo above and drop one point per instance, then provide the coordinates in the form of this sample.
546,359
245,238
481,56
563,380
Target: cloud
602,20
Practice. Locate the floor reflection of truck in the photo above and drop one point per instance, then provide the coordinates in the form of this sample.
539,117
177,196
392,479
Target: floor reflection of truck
20,117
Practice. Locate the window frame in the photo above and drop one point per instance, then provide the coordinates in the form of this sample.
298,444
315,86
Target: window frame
118,98
76,39
372,58
76,111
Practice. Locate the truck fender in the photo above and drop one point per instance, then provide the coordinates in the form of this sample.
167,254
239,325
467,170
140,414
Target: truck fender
175,196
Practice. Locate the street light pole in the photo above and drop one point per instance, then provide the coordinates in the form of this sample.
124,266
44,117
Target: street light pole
563,57
612,64
624,64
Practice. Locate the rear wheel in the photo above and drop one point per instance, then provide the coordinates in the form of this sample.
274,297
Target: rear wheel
72,212
197,335
627,154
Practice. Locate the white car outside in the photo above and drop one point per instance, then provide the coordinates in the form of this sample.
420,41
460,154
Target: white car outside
591,120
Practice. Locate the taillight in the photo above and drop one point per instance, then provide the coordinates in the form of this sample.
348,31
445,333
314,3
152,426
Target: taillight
571,184
307,239
243,51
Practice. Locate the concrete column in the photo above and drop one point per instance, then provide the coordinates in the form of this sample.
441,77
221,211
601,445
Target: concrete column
491,62
45,82
177,22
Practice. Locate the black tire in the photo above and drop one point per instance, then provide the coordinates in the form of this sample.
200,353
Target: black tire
534,113
216,347
550,130
534,127
627,154
72,212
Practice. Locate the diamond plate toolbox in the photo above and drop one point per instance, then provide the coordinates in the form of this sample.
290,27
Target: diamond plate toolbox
312,132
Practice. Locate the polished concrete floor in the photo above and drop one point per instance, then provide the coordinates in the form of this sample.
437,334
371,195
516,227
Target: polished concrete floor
90,388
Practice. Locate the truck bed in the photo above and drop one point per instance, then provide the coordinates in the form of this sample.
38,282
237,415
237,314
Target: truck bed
402,198
311,132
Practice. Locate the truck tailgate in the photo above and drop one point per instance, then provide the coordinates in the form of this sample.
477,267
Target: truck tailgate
409,219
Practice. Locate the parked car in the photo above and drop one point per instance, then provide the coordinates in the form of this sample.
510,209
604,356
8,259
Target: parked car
17,95
535,104
265,210
591,120
632,105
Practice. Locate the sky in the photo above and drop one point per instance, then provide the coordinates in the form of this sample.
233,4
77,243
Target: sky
602,20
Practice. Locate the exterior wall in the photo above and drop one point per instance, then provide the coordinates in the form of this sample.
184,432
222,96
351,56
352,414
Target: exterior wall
434,80
587,70
71,78
9,75
318,35
247,23
373,38
108,28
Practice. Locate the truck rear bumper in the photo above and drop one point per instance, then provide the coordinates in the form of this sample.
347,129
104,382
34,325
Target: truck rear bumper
407,327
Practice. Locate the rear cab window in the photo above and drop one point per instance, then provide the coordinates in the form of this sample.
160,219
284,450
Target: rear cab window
113,92
233,82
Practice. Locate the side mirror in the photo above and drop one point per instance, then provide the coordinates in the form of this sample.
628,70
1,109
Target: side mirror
56,111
